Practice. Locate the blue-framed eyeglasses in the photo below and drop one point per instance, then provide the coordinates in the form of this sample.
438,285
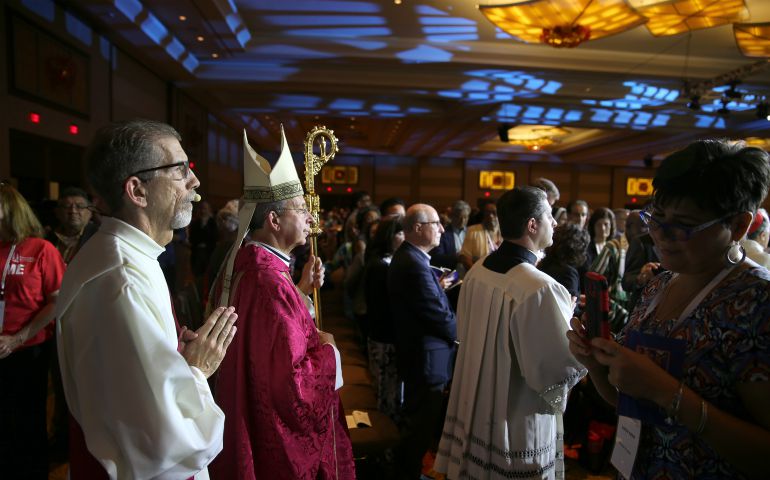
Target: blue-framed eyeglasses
184,169
677,231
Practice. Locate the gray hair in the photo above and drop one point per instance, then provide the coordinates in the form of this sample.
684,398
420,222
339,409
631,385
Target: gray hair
120,149
460,206
262,210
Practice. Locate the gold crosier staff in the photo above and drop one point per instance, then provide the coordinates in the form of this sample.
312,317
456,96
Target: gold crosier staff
313,164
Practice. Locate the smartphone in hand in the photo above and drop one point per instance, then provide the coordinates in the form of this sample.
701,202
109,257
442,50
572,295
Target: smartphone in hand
597,305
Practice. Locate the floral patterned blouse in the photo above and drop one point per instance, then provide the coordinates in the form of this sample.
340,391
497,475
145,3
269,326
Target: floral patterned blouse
727,341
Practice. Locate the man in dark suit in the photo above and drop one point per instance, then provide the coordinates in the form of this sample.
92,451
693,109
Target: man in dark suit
445,254
425,335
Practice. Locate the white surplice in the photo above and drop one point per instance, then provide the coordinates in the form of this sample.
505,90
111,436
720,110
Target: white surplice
144,411
512,377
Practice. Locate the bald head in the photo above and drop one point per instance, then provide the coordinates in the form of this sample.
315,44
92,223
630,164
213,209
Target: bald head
422,226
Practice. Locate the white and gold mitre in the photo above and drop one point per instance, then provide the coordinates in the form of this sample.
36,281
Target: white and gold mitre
261,184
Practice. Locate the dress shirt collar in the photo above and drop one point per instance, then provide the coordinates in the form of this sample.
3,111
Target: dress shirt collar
131,235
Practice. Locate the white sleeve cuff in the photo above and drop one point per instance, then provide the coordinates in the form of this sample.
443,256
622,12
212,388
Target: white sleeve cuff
338,364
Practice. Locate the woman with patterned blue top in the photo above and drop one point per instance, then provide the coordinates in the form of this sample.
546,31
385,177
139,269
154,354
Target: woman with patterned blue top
690,372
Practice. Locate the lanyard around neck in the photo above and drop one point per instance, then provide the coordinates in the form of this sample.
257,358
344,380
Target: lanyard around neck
5,270
695,301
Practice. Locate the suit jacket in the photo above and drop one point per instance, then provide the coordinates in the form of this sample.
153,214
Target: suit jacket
425,323
445,255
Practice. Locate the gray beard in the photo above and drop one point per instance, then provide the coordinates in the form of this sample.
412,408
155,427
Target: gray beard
181,219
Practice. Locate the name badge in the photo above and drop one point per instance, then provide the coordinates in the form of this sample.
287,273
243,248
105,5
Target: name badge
2,314
626,445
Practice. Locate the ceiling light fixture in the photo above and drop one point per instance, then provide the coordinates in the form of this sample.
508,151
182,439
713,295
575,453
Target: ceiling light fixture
533,137
753,39
679,16
182,18
200,38
563,23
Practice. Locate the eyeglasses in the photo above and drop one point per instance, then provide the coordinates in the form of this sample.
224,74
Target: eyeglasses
184,168
435,222
302,211
676,231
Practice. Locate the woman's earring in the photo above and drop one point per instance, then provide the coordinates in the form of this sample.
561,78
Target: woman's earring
735,253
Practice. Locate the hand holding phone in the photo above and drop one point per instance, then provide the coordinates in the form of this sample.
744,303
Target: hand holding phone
597,305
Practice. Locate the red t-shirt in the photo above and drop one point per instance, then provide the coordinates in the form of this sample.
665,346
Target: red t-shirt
34,273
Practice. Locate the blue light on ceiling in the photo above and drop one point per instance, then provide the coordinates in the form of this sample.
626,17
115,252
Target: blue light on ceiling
340,32
554,114
425,53
175,48
385,107
355,113
295,101
601,115
573,116
450,94
417,110
428,10
660,120
190,62
154,29
623,117
502,35
346,104
475,85
322,20
78,29
445,21
368,45
642,118
312,6
130,8
533,112
289,51
43,8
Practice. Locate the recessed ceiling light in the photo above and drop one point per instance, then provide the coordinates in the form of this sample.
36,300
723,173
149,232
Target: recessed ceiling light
397,2
182,18
200,38
214,55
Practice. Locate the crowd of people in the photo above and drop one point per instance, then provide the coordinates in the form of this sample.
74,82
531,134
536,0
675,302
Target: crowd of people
473,319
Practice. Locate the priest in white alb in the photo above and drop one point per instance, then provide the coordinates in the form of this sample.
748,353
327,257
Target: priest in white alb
514,369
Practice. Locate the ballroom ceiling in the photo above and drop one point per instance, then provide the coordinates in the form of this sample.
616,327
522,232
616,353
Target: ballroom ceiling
435,78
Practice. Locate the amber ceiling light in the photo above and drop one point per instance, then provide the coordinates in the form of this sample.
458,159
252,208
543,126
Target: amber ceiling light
563,23
678,16
753,38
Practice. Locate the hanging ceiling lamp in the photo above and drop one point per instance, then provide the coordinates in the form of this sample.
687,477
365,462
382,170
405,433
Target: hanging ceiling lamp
563,23
678,16
753,39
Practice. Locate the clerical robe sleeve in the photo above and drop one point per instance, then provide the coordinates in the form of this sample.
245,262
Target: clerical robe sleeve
538,331
146,413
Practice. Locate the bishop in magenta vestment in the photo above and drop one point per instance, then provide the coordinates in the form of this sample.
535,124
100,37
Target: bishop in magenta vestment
283,416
